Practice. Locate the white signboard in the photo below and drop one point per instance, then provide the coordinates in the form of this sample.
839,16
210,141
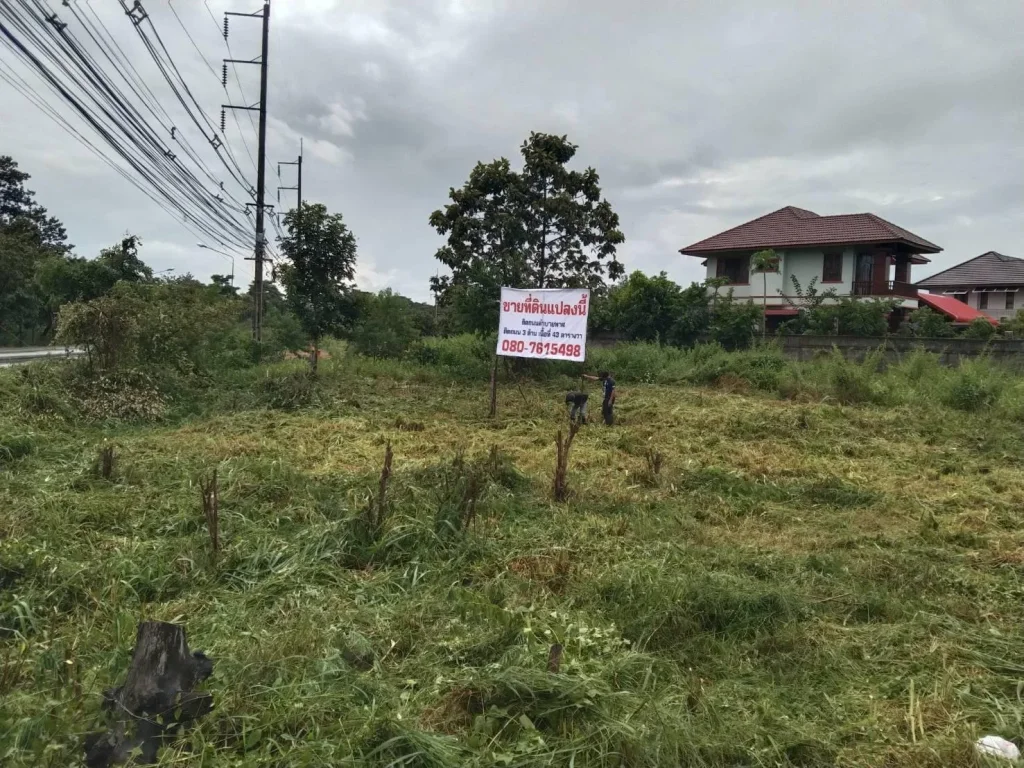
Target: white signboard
546,323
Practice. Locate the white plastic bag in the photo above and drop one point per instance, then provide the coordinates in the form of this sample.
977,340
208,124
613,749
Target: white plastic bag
998,746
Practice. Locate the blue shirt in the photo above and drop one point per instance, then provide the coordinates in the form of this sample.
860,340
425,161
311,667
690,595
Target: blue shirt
609,389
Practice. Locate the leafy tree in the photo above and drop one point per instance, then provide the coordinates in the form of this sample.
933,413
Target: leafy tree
644,308
544,227
222,284
386,325
317,277
20,214
29,237
21,302
764,262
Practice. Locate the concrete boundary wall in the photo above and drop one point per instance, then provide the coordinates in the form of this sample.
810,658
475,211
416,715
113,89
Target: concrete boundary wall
950,351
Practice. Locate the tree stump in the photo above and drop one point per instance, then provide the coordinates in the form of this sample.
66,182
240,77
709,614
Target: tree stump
157,698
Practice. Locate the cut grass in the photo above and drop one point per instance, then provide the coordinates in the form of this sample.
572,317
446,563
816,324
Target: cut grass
767,601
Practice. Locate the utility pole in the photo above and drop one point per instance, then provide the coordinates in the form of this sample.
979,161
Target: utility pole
259,254
297,188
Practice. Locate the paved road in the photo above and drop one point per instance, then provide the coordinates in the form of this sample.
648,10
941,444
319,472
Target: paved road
17,355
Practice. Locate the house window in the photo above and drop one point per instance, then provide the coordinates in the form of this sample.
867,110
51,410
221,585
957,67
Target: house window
734,268
960,296
832,272
1009,299
983,300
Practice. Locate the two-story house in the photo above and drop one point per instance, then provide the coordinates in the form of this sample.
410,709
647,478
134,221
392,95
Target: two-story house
992,283
858,254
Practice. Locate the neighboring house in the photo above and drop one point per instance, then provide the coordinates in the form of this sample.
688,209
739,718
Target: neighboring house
856,254
992,283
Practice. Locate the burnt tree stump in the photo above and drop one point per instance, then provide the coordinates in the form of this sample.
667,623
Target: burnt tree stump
157,698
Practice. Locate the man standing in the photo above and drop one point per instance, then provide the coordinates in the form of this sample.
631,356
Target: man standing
608,404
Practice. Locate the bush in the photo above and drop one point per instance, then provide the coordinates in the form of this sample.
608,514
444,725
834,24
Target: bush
465,356
973,387
644,363
733,323
851,317
179,325
386,326
927,324
979,328
292,390
853,383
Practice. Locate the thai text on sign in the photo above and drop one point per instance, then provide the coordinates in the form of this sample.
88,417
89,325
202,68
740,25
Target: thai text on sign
545,323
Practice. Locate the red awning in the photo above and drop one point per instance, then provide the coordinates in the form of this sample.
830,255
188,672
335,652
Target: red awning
954,308
782,311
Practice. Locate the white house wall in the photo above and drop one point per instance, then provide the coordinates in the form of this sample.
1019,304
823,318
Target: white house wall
805,265
997,304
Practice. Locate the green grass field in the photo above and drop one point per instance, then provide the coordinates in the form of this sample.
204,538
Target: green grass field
799,583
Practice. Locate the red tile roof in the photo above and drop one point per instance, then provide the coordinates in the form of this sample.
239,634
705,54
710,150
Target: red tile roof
791,227
956,309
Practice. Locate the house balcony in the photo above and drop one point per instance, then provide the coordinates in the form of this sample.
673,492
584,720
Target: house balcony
888,288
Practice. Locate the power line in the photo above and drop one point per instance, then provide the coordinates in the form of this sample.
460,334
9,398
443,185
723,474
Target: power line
74,71
123,66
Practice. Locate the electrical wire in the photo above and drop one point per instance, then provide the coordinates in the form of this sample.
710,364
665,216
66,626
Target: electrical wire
75,77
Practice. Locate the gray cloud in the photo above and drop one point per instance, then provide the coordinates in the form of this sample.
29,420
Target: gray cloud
697,116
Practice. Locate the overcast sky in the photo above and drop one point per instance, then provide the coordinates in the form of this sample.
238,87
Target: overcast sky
697,116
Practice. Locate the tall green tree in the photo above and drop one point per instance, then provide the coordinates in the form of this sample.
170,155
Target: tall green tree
544,227
20,214
29,238
320,254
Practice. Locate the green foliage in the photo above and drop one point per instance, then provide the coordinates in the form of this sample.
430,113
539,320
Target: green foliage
22,216
854,383
928,324
14,447
543,227
766,604
288,392
979,328
321,260
656,309
733,322
973,387
176,324
851,317
464,356
811,297
29,238
386,326
764,262
1014,326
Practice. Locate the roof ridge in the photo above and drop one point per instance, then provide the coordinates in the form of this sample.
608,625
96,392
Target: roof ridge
897,230
787,208
957,266
1003,256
